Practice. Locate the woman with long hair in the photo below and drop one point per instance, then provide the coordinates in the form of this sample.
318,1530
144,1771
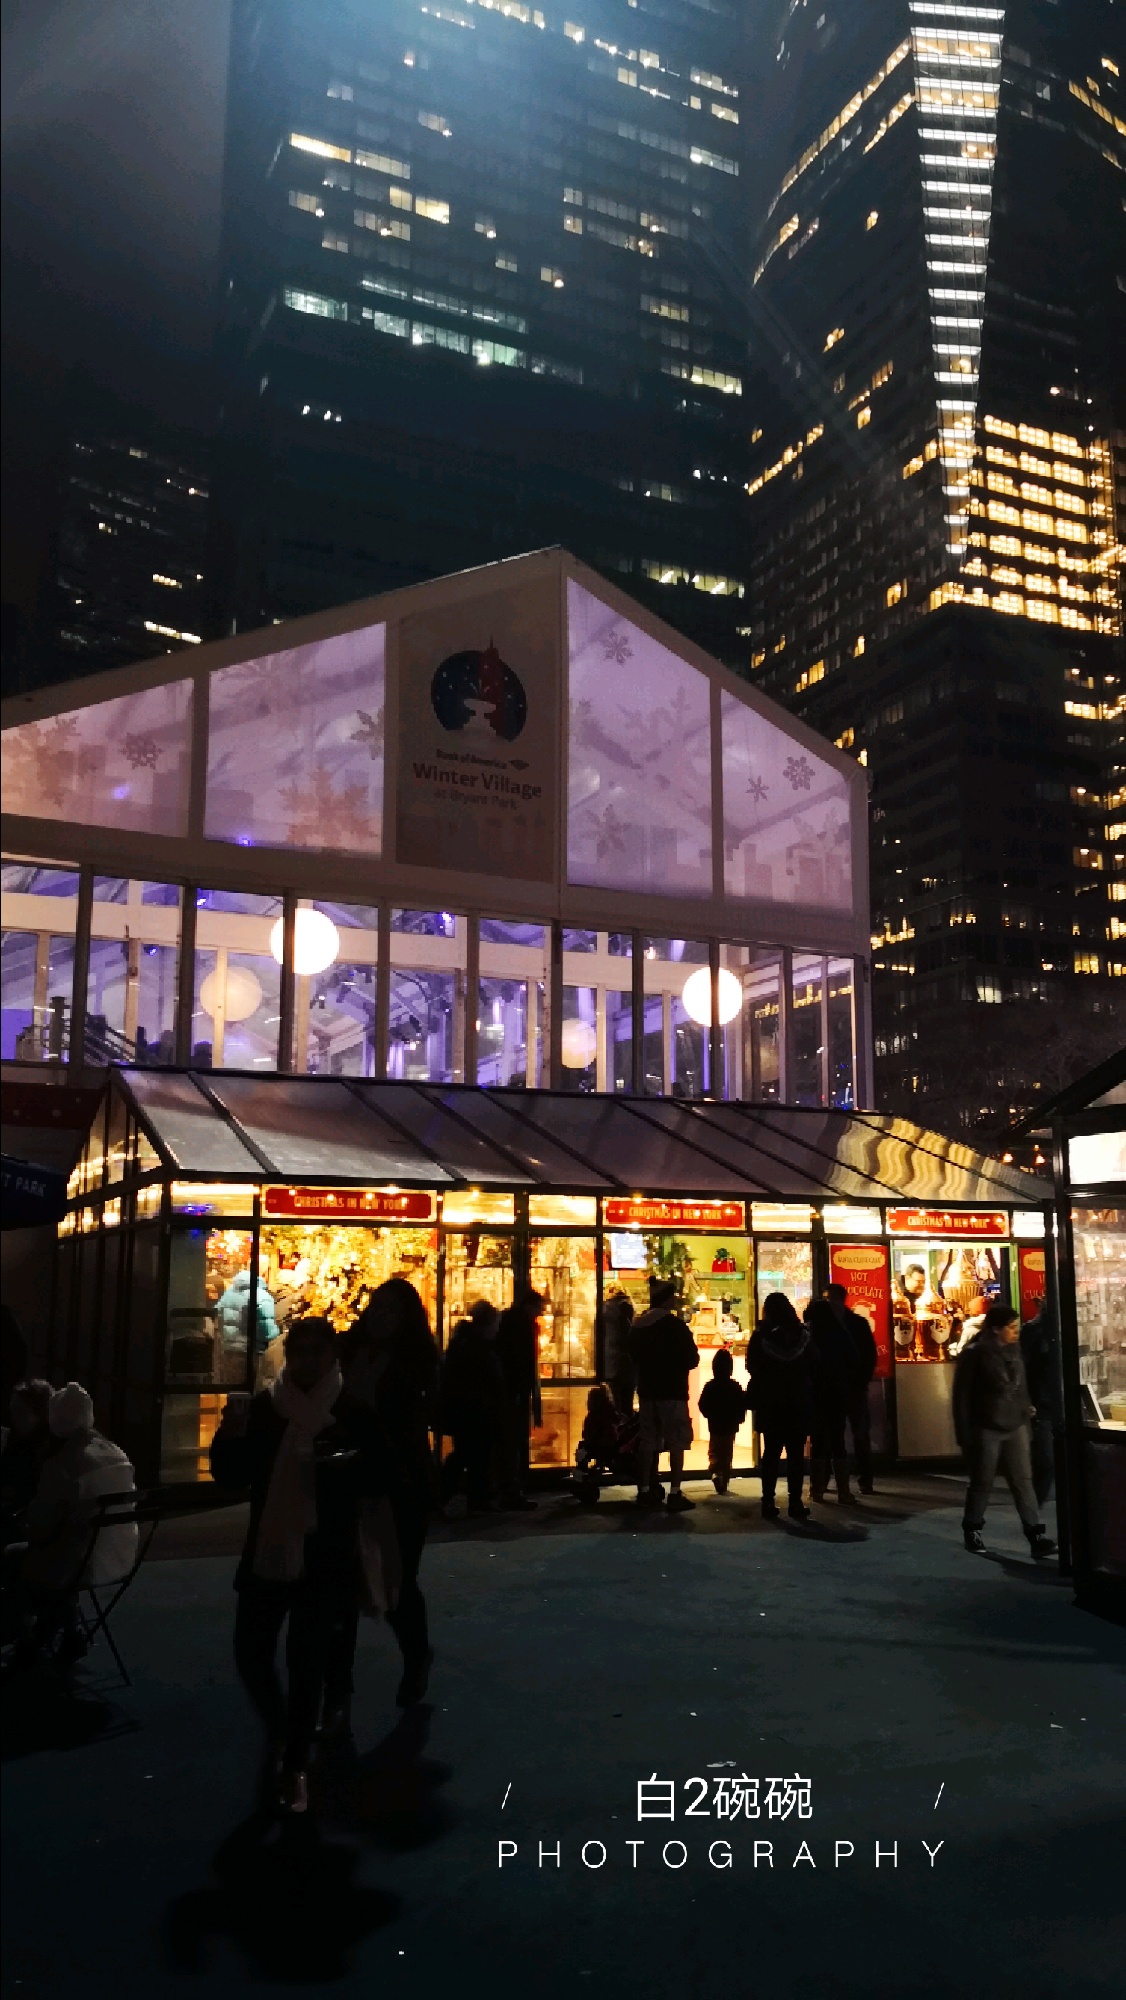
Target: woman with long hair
780,1363
389,1361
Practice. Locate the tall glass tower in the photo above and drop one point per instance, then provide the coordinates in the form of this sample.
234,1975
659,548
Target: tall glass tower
936,487
467,308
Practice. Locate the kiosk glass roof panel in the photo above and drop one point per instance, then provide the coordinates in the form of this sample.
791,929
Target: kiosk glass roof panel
187,1126
545,1163
637,1154
314,1129
461,1149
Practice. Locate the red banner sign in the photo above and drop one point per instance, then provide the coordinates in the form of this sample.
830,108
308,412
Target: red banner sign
1032,1280
947,1222
862,1268
350,1204
639,1214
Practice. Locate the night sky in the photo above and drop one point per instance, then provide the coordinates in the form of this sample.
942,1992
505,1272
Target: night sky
112,148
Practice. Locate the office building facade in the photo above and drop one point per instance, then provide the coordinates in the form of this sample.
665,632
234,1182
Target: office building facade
934,567
130,552
466,305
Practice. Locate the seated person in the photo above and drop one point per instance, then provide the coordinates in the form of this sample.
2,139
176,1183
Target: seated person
600,1438
45,1572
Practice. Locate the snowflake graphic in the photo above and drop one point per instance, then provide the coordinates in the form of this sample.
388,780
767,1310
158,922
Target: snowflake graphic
799,772
141,753
321,816
370,732
758,790
615,646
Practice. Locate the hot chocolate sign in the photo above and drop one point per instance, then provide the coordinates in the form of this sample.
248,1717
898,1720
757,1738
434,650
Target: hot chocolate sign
477,719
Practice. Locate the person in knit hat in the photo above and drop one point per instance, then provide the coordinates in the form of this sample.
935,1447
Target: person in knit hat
47,1570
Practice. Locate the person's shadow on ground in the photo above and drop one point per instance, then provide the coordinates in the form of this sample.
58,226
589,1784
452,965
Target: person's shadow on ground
387,1796
285,1893
286,1898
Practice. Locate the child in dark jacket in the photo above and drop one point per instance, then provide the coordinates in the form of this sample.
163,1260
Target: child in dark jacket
723,1405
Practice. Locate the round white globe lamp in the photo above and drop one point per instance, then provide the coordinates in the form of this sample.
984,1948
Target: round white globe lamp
316,942
242,994
579,1043
697,996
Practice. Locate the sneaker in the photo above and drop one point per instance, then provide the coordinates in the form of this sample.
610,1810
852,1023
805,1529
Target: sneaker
1042,1546
848,1498
648,1498
720,1483
293,1791
816,1494
520,1505
973,1541
867,1489
415,1681
678,1502
769,1510
797,1512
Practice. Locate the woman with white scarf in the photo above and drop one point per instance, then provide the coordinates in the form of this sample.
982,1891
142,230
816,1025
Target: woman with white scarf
310,1454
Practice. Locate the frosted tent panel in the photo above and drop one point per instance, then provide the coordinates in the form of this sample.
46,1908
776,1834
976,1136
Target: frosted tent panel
787,831
122,763
295,747
639,804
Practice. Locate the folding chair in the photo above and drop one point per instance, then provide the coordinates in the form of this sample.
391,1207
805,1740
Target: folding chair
116,1510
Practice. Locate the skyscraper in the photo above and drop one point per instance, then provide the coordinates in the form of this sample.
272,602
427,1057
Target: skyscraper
129,576
938,424
465,310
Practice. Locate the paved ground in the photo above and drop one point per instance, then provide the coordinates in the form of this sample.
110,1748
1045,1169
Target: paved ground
924,1694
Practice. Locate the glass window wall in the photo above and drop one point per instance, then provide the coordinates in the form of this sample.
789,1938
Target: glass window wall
132,977
512,1025
237,987
842,1073
40,907
807,1054
336,949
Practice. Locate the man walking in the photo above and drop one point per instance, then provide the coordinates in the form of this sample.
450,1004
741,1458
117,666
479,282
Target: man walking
992,1413
665,1354
863,1343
